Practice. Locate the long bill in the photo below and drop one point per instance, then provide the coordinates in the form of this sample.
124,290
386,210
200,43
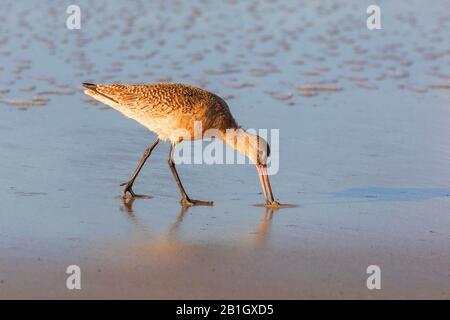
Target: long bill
265,183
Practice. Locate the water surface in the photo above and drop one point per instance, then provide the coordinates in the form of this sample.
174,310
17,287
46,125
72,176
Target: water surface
363,118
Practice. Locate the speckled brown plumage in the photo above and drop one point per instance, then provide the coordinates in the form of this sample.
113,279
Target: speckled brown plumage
166,107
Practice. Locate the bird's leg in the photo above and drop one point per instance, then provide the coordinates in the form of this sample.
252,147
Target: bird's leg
129,184
266,187
185,200
263,185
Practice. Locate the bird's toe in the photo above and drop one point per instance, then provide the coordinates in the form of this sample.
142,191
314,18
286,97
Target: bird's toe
190,202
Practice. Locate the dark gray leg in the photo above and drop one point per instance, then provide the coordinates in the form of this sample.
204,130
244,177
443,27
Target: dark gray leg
185,200
129,185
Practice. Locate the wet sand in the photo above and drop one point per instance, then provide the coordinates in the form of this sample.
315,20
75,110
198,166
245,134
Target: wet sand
290,255
363,118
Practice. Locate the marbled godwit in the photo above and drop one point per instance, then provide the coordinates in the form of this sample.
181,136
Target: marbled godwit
164,108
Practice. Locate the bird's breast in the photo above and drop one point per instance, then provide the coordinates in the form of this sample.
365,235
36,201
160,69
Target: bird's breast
168,128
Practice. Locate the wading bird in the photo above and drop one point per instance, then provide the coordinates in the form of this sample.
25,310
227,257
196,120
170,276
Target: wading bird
164,108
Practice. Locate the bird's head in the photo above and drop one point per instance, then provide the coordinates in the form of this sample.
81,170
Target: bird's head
257,150
251,145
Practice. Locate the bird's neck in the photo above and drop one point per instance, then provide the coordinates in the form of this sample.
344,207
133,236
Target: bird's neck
233,136
241,141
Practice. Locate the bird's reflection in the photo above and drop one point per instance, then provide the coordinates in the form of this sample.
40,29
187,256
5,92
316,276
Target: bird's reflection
259,235
172,234
262,233
127,206
174,228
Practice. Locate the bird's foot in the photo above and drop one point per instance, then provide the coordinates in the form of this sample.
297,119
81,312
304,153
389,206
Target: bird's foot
273,204
276,205
128,183
129,189
189,202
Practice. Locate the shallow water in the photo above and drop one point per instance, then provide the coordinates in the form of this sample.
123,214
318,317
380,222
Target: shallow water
363,118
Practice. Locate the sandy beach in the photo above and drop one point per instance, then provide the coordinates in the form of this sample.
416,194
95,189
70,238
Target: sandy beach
363,119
